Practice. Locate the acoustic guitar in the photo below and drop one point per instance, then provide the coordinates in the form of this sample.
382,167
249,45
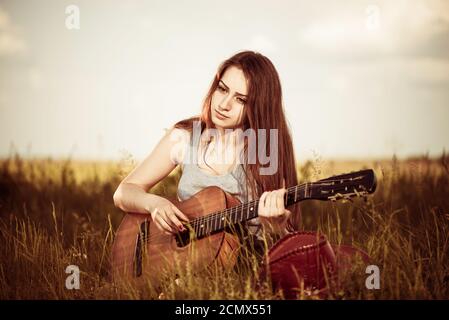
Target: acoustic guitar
141,252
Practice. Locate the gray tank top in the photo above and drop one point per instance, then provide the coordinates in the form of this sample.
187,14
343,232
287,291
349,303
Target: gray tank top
194,179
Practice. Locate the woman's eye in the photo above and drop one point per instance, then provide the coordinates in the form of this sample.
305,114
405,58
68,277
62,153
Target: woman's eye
242,101
220,88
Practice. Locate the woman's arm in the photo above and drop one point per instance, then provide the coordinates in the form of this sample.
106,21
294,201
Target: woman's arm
131,195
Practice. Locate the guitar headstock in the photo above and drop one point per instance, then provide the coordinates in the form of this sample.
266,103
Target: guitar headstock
346,185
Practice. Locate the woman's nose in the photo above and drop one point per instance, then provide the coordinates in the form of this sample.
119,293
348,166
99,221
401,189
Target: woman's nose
225,104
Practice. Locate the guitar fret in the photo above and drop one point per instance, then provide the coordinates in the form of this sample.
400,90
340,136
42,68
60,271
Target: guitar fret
209,225
231,218
236,217
223,220
251,208
211,220
195,227
202,227
254,208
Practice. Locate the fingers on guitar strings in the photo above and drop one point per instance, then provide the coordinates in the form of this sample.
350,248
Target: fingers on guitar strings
163,225
280,202
180,214
173,221
262,207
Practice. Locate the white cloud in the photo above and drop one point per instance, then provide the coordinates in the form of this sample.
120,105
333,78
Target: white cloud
345,36
262,44
404,28
35,78
10,41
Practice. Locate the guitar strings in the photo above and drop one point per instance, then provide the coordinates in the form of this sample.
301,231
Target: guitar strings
298,188
197,222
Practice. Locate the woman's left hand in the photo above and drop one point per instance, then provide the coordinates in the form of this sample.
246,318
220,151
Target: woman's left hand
272,212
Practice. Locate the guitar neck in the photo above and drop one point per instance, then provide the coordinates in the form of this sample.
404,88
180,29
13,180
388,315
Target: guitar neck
219,220
333,188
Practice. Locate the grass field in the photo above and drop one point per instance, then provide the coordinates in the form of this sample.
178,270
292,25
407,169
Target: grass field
55,213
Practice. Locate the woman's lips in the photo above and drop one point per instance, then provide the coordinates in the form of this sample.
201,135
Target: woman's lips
221,116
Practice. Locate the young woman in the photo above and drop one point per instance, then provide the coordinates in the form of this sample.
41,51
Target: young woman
245,96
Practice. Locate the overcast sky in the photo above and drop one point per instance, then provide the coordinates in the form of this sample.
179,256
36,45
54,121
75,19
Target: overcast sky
360,78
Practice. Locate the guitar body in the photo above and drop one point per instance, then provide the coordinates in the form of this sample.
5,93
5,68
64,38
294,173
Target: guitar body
141,253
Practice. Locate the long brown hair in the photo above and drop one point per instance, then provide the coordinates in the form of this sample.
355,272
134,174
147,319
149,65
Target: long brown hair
263,110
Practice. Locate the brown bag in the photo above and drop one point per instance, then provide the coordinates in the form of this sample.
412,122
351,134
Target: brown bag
305,262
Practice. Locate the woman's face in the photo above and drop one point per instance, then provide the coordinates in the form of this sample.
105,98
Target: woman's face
229,99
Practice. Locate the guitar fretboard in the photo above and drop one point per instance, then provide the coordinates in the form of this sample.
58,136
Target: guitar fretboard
332,188
218,221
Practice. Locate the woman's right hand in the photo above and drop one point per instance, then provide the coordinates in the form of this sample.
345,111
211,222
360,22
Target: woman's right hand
167,217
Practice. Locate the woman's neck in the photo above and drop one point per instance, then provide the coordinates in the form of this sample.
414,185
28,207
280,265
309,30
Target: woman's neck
222,144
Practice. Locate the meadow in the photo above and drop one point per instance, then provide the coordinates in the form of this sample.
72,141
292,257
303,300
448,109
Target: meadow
56,213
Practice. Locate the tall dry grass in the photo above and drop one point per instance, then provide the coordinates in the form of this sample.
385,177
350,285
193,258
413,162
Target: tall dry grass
59,213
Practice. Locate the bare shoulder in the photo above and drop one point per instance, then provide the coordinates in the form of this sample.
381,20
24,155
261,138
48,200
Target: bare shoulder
179,140
176,134
161,161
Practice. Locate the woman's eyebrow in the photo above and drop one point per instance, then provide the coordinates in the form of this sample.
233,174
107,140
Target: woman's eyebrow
239,94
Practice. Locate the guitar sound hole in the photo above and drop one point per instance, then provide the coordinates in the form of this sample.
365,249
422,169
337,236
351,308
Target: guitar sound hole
182,238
